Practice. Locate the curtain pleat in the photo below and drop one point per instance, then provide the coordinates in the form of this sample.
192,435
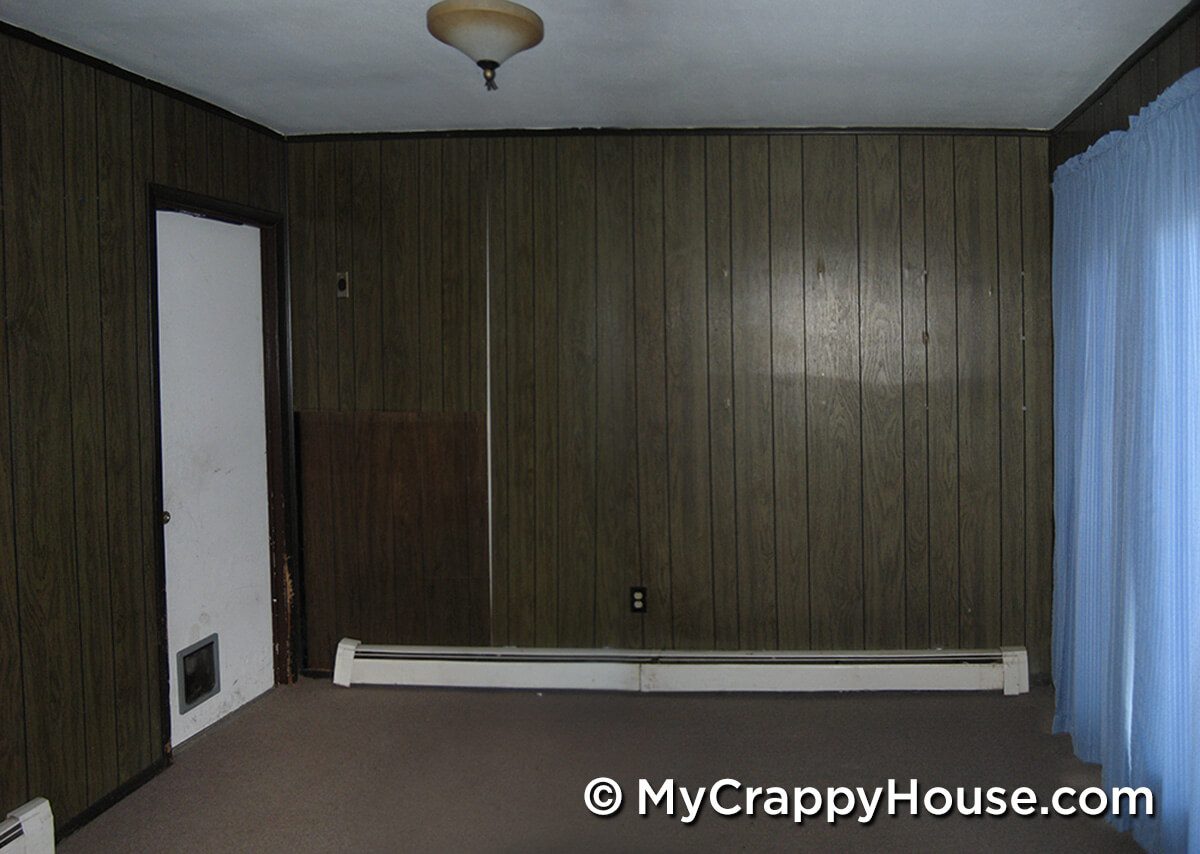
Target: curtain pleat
1127,460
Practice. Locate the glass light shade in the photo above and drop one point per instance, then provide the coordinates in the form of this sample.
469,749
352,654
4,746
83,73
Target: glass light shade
488,31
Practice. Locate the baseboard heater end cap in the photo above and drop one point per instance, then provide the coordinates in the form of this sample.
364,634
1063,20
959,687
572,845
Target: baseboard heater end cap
343,663
1016,669
35,821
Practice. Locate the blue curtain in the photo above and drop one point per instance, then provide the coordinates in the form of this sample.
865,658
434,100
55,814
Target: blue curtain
1127,460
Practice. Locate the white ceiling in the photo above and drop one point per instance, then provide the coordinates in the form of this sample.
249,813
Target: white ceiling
311,66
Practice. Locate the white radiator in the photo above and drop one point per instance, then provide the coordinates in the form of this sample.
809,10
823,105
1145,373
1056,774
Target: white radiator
1004,669
28,829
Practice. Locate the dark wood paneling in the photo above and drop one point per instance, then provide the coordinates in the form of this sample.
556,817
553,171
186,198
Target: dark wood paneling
13,789
521,499
456,289
1039,402
881,331
978,392
685,295
367,302
1173,54
80,644
651,391
545,331
1011,298
497,310
407,485
126,501
941,319
833,383
577,412
916,385
788,390
750,275
616,398
430,304
87,427
734,371
40,404
720,394
400,281
343,255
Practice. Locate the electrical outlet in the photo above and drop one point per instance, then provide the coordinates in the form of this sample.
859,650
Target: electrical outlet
637,600
343,285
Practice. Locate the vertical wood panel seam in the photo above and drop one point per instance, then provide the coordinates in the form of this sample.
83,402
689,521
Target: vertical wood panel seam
13,481
862,451
103,397
142,355
1000,503
901,208
925,351
712,536
1024,405
771,388
637,433
70,419
957,381
596,388
666,350
733,407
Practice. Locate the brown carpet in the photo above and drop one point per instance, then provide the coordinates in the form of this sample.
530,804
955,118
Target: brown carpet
318,768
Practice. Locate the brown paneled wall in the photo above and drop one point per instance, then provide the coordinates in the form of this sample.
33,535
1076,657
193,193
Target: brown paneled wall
80,710
1177,53
395,515
798,386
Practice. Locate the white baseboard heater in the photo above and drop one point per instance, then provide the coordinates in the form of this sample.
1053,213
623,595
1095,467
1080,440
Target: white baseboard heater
28,829
1004,669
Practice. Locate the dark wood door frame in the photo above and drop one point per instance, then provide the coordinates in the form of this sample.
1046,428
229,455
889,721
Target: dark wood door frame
281,452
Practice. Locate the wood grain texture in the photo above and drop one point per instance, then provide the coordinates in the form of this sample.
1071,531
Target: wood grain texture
343,249
916,400
651,391
789,389
456,290
577,412
722,471
40,403
732,371
80,694
750,275
1039,402
978,391
831,280
881,332
685,294
941,294
430,305
1011,298
303,258
412,478
366,264
616,399
400,281
519,317
545,331
87,426
13,788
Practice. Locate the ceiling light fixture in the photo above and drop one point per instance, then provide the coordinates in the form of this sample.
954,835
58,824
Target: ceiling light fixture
488,31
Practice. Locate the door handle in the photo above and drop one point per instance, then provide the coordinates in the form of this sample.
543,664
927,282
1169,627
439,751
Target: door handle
166,517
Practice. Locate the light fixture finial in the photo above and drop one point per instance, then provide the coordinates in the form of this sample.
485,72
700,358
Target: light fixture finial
488,31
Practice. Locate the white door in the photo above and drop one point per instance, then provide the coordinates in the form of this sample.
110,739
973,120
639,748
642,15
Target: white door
218,577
